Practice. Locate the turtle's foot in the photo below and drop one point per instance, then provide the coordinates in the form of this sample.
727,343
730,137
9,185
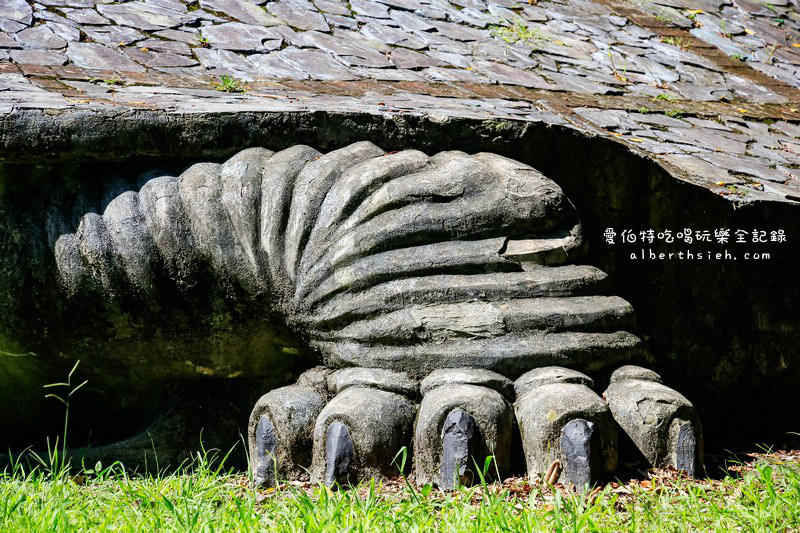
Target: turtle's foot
660,421
352,424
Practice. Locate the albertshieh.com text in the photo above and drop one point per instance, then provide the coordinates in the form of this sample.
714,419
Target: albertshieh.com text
720,244
688,255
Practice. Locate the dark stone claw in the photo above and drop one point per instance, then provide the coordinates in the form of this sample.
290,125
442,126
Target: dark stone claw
576,447
338,453
264,469
684,444
457,433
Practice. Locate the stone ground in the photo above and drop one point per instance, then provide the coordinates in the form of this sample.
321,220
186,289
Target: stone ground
708,88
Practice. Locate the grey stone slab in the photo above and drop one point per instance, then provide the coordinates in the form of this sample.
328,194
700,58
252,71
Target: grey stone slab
348,48
204,18
430,13
439,74
72,3
160,45
12,26
16,10
410,22
699,75
8,42
506,74
387,74
223,60
783,190
298,17
363,19
768,31
407,5
187,37
459,32
502,12
52,19
632,50
773,154
616,61
272,67
332,7
787,128
145,16
89,88
387,380
98,56
369,9
516,54
788,76
159,59
40,37
745,165
534,14
656,70
392,36
658,119
468,376
38,57
693,91
442,44
711,139
457,60
318,65
607,118
408,59
699,167
713,37
85,16
113,35
242,37
341,22
292,37
476,17
708,124
753,92
580,85
672,56
744,134
242,11
305,4
174,5
360,61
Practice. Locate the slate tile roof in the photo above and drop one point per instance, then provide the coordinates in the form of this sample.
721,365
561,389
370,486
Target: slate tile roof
708,88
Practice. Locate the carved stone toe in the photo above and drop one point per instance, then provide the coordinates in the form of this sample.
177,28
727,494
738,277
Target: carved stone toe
660,421
561,419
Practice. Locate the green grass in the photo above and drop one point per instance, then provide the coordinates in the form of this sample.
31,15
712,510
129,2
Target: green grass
204,496
229,84
518,32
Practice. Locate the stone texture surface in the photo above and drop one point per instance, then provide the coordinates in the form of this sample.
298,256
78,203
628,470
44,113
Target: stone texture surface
565,58
660,421
468,376
546,414
715,105
291,412
406,289
378,423
492,419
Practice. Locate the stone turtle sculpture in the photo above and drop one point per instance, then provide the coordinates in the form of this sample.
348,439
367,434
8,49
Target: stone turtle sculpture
442,294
